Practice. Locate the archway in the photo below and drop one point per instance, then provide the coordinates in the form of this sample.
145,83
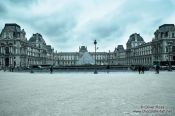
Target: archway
7,62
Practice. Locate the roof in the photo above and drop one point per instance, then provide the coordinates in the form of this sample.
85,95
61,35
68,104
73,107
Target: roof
12,27
135,36
83,49
166,25
37,38
12,24
120,48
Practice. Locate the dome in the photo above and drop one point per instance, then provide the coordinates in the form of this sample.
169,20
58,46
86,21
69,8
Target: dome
135,37
134,40
37,38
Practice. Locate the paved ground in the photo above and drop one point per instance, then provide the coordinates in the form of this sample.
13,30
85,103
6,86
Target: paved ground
86,94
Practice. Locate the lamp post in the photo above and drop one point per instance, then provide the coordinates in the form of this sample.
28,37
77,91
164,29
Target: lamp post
95,43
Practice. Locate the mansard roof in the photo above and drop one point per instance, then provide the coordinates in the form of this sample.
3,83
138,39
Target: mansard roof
37,38
166,25
12,27
119,48
83,49
135,37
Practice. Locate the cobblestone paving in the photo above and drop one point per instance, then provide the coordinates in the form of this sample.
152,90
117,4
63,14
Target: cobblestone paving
86,94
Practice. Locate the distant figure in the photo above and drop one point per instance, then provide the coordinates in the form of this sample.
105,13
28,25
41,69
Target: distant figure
107,68
12,68
139,69
51,69
157,69
31,70
4,69
143,69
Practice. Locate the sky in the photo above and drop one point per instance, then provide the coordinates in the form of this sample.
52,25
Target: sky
68,24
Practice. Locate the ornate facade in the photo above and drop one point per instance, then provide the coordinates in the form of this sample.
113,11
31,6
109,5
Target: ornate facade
17,51
161,49
73,58
120,55
163,43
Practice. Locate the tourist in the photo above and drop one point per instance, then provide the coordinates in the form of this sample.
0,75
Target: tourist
143,69
107,68
51,69
157,69
139,69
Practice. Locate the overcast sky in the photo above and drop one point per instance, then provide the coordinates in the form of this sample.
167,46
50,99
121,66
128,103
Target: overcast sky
68,24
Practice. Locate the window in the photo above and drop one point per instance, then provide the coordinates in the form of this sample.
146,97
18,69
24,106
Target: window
167,49
161,34
173,49
166,34
7,50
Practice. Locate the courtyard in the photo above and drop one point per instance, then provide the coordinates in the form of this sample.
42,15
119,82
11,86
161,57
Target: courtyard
87,94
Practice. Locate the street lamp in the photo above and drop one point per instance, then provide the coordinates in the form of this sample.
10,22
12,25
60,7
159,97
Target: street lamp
95,43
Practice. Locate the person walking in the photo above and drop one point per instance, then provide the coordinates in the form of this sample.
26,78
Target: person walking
107,68
139,69
143,69
51,69
157,69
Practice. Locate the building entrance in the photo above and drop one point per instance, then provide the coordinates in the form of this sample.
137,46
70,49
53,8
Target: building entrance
6,62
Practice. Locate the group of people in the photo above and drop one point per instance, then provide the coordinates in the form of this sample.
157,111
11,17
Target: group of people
11,69
141,69
50,69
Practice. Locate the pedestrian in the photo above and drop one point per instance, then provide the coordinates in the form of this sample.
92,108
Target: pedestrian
139,69
157,69
31,70
4,69
143,69
107,68
51,69
12,68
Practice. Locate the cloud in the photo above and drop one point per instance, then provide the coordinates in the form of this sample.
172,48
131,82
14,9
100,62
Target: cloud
68,24
2,9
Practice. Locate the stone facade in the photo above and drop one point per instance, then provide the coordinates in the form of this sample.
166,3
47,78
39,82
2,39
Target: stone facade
160,49
17,51
72,58
120,55
163,43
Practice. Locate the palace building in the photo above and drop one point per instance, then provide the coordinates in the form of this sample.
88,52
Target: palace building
17,51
